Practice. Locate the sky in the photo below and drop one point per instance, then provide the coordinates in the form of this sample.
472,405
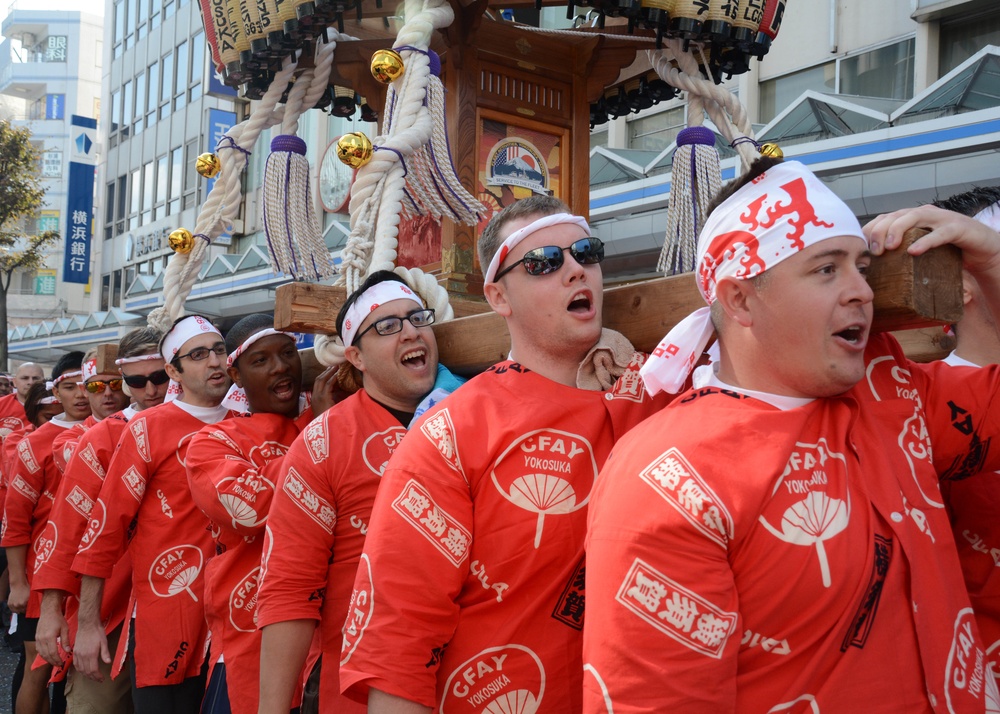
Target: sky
95,7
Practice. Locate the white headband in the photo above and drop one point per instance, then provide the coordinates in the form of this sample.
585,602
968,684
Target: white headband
235,354
990,216
369,300
62,377
48,400
781,212
89,369
511,241
182,332
138,358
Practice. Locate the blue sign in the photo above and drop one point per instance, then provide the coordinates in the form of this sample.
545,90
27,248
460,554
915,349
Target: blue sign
216,88
304,340
55,106
80,204
219,122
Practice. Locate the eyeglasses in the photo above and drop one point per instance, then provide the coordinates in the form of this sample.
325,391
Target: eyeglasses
97,386
200,354
392,325
549,258
138,381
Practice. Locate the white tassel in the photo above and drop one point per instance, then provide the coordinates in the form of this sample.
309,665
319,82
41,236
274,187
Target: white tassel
695,181
293,238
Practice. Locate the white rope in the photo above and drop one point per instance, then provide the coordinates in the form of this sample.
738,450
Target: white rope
222,203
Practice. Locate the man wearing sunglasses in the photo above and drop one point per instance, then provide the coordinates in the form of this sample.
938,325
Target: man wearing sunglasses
319,517
26,510
233,468
170,542
483,607
140,365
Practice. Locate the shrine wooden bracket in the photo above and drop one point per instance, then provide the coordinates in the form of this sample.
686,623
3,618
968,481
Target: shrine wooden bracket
912,294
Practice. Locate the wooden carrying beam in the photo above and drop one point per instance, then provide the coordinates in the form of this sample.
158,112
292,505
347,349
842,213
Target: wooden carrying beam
910,293
106,355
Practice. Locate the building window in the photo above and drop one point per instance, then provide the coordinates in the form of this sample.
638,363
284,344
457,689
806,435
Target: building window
166,84
190,173
197,66
143,18
120,209
147,194
105,293
140,101
160,205
176,173
657,131
127,107
180,88
116,288
777,94
135,199
886,72
963,37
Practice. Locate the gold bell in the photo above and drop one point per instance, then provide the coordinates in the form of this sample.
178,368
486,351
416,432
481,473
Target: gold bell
387,66
208,165
354,149
772,151
181,241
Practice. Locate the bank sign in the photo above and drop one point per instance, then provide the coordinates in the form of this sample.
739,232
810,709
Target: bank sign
80,204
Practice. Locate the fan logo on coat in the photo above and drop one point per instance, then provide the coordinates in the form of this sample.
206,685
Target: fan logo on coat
965,677
498,680
80,501
45,544
138,429
546,472
314,505
175,570
676,611
9,424
914,439
317,441
89,456
243,602
67,453
27,456
676,481
359,612
810,501
95,526
416,505
380,446
440,430
182,448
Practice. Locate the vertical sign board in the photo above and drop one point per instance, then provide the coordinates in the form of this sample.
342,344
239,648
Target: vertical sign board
80,205
219,122
55,106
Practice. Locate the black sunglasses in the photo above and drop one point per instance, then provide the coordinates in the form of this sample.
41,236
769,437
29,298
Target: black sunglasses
549,258
138,381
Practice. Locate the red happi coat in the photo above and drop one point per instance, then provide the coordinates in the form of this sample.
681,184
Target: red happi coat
12,416
469,596
750,558
32,486
318,522
233,467
8,455
71,511
170,543
62,447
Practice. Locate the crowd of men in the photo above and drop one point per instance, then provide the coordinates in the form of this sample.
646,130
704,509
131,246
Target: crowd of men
804,522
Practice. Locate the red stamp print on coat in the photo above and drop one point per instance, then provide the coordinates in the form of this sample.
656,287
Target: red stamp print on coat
379,447
135,483
138,429
89,456
674,478
45,544
629,386
509,678
317,440
243,602
220,435
359,612
449,536
27,457
547,472
175,570
441,432
24,488
80,501
676,611
315,506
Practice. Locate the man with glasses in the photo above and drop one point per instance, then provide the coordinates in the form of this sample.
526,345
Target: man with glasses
319,515
141,369
26,509
483,608
146,483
